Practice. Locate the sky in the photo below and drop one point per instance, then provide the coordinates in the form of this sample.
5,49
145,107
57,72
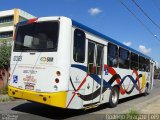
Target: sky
108,17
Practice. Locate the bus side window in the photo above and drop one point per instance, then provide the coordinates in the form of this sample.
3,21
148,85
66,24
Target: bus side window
79,46
112,59
142,64
134,61
124,58
91,49
147,65
99,60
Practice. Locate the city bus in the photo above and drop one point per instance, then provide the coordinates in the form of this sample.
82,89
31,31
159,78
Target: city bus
60,62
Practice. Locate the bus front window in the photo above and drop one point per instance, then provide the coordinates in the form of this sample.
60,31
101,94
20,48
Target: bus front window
37,37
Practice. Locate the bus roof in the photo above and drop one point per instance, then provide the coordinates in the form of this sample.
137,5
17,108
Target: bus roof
87,29
94,32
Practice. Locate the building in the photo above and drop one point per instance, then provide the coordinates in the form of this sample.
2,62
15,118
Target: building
8,19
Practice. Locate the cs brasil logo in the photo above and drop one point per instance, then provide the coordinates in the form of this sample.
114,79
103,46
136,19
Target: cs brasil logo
46,59
15,79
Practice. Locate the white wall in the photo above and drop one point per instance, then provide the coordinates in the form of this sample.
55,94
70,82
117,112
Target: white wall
6,13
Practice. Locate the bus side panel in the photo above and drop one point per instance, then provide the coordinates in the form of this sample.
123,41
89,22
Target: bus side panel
132,82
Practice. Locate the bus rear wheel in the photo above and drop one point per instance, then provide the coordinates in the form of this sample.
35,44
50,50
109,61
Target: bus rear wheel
114,97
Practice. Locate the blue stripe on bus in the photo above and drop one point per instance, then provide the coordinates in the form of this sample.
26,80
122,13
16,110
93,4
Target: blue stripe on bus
98,80
22,23
93,76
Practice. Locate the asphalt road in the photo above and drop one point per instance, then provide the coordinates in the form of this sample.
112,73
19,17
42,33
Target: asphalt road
24,110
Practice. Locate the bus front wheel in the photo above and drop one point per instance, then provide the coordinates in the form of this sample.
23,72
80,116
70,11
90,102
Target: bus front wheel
114,97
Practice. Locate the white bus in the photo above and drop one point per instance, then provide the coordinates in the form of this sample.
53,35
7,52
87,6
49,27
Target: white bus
60,62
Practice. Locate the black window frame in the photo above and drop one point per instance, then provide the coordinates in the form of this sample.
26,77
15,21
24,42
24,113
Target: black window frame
147,65
112,60
99,59
124,58
6,19
6,34
134,61
76,46
142,63
90,57
47,49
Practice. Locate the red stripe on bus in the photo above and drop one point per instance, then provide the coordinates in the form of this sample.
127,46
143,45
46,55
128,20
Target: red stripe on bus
31,20
83,81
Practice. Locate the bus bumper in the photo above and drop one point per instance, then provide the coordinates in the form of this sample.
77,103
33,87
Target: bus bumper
57,99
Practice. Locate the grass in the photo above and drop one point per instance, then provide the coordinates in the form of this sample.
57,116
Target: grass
6,99
131,115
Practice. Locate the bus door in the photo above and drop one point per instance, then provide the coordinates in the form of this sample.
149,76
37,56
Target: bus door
94,69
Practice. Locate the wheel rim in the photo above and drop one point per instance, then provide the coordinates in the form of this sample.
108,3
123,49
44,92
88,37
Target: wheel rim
114,96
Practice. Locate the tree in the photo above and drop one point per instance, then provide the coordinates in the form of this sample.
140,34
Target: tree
5,54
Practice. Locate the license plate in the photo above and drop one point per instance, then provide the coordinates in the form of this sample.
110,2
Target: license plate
29,87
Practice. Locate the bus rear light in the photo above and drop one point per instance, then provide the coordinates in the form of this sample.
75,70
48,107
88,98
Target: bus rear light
57,80
55,87
58,73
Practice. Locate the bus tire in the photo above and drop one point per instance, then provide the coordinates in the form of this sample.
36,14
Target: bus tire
114,97
146,92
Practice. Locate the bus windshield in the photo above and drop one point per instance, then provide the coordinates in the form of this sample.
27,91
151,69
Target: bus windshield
41,37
